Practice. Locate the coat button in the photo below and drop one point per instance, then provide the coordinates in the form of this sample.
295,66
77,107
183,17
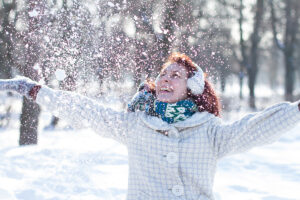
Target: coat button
172,157
174,133
177,190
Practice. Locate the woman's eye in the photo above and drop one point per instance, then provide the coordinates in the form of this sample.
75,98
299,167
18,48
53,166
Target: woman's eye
176,75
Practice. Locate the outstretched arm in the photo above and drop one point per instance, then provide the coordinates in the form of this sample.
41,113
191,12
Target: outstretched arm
81,111
255,129
77,110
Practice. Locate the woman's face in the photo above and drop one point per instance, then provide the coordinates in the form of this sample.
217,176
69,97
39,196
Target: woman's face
172,84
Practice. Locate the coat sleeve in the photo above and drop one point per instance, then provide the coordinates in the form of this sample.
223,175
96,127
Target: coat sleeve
254,129
83,112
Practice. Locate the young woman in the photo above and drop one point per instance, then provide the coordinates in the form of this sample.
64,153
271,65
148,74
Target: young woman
172,129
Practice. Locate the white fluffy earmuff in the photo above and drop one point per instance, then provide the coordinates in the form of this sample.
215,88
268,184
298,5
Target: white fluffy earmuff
196,83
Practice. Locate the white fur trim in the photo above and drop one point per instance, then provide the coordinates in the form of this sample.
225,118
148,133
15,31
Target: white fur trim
196,83
196,119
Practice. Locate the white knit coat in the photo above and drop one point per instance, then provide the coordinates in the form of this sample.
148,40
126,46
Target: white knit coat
172,161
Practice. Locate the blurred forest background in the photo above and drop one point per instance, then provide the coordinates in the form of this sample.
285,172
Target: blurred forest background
104,46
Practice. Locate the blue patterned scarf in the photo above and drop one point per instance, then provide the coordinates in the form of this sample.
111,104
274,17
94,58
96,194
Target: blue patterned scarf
168,112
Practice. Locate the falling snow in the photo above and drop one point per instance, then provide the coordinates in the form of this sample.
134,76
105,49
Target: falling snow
111,4
104,50
33,13
60,74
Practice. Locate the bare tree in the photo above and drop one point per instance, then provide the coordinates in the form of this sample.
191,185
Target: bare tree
255,39
287,46
30,110
6,38
244,58
169,25
249,58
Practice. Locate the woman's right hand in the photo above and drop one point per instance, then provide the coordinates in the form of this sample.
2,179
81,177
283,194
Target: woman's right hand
140,99
21,85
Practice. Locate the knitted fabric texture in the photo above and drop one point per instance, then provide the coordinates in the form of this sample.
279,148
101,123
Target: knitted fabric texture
141,101
168,112
174,112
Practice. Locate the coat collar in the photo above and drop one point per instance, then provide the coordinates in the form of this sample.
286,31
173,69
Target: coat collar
156,123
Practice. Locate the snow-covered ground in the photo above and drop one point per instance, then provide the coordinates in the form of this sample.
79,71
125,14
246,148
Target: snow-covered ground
79,164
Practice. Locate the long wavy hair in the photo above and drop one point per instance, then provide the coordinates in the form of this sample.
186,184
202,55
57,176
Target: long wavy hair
208,100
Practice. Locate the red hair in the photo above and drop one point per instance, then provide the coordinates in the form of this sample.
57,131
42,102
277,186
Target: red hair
208,100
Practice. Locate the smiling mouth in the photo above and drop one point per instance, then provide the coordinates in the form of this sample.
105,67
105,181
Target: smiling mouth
168,89
165,90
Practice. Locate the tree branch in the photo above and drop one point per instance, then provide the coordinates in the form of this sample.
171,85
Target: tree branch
242,41
279,44
295,24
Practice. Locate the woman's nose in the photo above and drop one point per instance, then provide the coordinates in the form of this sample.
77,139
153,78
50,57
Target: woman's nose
166,78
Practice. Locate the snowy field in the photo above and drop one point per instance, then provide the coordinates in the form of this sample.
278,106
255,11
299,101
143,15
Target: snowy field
80,165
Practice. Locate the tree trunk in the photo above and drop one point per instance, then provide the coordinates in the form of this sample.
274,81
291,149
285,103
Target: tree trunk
223,82
290,40
8,30
29,122
288,47
30,110
7,35
251,85
169,26
241,81
244,60
29,118
289,76
255,38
